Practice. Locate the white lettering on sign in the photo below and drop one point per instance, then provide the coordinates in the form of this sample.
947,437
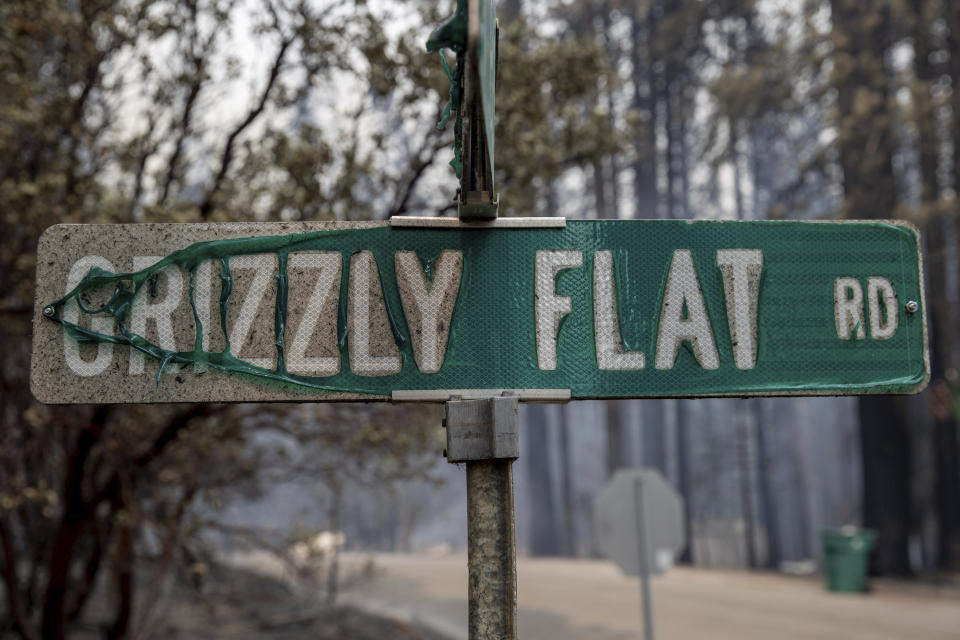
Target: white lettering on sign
848,308
264,267
160,311
880,293
202,281
862,307
364,289
606,325
550,308
683,316
428,305
741,286
103,325
327,287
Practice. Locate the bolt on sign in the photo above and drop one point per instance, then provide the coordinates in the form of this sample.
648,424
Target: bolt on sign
370,311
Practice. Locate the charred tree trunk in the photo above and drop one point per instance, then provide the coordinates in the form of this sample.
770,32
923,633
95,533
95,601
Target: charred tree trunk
544,540
925,118
866,142
606,208
671,165
654,446
765,489
801,485
953,45
644,103
683,474
683,153
886,470
616,451
612,161
745,475
566,484
945,325
123,571
76,516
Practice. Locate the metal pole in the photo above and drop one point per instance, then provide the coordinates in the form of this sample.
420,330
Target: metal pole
484,434
491,550
643,556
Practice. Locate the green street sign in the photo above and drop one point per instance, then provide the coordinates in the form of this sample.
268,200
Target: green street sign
582,309
487,59
472,33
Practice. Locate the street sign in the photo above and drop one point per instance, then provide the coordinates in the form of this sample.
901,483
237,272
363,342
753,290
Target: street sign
374,311
639,526
477,191
472,32
616,519
486,42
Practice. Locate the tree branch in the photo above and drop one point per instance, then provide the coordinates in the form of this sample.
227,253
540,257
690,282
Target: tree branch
139,464
206,208
146,150
91,569
76,515
199,60
123,567
170,537
14,596
419,165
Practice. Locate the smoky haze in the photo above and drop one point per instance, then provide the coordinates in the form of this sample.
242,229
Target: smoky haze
301,520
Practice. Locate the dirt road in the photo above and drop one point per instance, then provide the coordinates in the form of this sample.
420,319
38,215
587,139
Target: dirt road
586,599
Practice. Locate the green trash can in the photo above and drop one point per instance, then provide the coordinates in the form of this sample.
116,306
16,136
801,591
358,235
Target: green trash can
845,555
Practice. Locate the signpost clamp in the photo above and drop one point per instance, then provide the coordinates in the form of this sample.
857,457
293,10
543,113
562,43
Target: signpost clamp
482,429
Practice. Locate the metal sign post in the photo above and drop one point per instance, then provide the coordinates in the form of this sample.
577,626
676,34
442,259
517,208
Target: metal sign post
643,555
483,433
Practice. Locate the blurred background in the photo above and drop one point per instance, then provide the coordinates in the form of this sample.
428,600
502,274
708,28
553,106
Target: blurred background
299,521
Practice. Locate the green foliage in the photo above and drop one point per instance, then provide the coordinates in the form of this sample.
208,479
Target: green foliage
114,112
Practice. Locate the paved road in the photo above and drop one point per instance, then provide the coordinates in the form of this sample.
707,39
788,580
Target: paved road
563,599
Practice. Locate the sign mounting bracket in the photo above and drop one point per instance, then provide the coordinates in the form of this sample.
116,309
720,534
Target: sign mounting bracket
477,223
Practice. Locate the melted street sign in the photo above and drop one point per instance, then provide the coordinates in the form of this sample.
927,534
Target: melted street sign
486,41
604,309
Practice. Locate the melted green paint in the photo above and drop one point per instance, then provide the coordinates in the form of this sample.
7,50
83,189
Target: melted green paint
280,310
492,330
226,288
127,285
452,34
